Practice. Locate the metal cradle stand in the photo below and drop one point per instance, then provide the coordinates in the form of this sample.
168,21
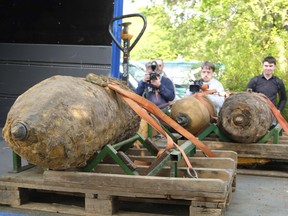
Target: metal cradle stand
118,153
213,128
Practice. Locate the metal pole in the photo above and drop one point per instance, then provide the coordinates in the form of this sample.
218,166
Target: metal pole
115,63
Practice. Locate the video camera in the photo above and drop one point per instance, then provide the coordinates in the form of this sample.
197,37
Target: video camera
197,85
153,74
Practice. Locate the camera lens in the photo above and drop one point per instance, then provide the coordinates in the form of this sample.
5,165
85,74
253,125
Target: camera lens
153,65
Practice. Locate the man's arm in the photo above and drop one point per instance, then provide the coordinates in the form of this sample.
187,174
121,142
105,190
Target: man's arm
282,96
252,84
167,89
216,99
140,88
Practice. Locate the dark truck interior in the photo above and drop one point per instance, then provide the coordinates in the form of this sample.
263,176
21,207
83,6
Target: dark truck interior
42,38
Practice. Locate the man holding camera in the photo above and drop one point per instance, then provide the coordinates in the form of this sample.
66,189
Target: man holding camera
208,82
156,88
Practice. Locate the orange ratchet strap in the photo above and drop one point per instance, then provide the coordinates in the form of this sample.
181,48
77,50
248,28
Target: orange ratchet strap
152,108
199,96
143,113
277,114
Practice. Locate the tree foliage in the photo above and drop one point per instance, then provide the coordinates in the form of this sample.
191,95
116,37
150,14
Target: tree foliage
238,34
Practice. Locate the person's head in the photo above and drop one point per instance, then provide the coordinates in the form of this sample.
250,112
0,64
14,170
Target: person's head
207,70
269,65
160,64
149,70
148,66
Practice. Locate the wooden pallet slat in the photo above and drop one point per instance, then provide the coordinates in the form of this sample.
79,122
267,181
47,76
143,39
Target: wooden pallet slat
253,150
102,190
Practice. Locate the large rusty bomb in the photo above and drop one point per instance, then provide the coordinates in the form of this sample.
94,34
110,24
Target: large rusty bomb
61,122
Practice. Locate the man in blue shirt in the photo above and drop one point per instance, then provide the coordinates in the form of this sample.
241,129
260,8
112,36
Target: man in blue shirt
155,87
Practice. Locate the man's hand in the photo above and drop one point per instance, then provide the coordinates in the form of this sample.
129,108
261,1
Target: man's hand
156,82
146,77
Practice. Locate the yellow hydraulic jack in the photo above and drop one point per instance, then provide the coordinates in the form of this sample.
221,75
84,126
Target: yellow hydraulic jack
126,37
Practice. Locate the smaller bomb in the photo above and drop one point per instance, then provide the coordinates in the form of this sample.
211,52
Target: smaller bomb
245,117
193,112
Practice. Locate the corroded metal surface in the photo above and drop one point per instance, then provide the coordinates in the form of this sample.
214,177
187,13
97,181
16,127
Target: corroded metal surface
62,121
193,114
245,117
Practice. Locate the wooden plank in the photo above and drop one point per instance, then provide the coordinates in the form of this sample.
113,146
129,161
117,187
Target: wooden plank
74,210
125,185
139,152
223,163
219,153
9,197
269,173
220,163
200,211
197,162
255,150
68,187
209,173
54,207
98,206
158,201
281,140
101,191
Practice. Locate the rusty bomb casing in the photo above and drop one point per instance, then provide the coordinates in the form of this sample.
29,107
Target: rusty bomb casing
245,117
61,122
192,112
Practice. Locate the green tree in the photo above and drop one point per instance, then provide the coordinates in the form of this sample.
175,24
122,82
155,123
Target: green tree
156,41
238,34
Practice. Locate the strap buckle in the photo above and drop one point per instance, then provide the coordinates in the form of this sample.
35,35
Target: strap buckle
195,175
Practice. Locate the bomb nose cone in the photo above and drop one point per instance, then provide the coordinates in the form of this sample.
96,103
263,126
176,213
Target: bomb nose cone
183,119
241,120
19,131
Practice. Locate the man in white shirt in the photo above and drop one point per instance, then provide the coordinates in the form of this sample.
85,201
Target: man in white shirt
207,71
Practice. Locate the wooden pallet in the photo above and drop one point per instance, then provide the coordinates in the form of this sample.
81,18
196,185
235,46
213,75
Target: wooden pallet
101,192
252,150
267,150
263,159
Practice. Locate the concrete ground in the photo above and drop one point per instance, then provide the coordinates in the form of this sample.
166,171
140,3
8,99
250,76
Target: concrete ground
254,195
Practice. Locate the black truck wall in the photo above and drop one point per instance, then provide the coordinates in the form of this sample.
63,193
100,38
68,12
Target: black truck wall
42,38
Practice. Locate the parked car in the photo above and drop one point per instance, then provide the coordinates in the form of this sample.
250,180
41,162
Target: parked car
136,73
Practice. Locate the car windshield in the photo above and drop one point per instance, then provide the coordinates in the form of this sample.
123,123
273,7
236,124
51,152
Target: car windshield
136,72
179,72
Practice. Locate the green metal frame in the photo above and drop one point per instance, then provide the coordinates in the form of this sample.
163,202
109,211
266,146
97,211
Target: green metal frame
176,156
109,150
17,164
158,164
150,130
113,151
276,132
213,128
